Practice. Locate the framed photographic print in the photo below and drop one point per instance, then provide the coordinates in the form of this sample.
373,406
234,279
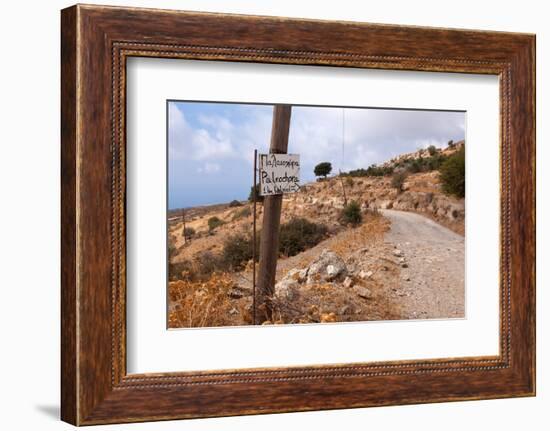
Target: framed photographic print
331,214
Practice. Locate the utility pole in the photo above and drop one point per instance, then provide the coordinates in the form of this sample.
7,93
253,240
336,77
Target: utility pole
343,189
255,198
269,241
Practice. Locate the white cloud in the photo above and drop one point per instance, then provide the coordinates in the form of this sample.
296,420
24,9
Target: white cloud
195,144
209,168
216,137
370,135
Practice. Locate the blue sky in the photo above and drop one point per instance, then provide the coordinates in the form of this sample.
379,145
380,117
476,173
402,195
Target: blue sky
211,145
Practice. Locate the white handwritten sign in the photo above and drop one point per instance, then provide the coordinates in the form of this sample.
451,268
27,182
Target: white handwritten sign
279,173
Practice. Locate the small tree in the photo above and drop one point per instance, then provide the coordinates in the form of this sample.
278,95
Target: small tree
351,214
235,203
451,144
299,234
432,150
452,174
398,180
259,198
415,165
213,223
322,169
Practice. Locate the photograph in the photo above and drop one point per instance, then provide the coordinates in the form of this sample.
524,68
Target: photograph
296,214
304,214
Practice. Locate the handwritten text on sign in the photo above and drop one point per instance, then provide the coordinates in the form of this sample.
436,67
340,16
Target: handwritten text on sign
279,173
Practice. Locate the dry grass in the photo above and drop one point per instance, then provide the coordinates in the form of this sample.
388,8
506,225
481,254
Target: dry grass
371,230
200,304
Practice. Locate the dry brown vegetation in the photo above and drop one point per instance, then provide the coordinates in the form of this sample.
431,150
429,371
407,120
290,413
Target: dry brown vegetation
200,303
224,299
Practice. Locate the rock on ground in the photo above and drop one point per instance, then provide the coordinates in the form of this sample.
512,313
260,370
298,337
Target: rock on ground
328,266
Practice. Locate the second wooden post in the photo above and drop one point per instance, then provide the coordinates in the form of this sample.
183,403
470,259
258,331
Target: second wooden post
269,240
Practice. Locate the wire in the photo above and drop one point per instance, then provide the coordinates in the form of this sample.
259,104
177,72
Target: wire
343,137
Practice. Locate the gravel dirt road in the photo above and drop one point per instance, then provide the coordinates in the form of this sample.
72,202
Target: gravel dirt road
431,284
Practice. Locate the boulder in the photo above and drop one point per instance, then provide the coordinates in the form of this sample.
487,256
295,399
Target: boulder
328,266
456,211
332,271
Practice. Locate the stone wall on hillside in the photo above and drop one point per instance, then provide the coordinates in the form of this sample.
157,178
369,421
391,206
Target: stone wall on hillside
438,205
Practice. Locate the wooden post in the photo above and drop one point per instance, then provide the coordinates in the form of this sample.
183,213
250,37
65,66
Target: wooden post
269,241
254,197
184,234
343,189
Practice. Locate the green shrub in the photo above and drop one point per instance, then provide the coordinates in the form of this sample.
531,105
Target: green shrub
371,171
235,203
207,263
351,214
298,235
452,174
415,165
322,169
432,150
434,162
213,223
398,180
295,236
425,164
237,251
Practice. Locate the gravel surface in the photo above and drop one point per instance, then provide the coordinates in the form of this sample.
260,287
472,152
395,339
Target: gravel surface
431,256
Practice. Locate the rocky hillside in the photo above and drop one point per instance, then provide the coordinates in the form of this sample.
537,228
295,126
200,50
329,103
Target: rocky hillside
424,153
421,193
386,267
